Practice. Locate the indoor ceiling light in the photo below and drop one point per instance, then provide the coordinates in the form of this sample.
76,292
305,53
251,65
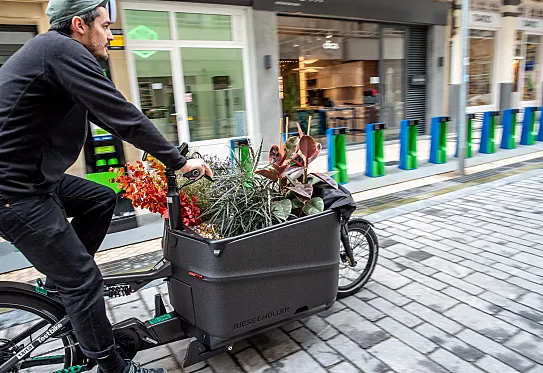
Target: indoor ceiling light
329,36
309,62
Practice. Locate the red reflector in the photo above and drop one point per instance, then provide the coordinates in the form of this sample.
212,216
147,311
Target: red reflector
196,275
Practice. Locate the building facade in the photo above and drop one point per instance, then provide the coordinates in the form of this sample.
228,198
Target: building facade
504,55
209,71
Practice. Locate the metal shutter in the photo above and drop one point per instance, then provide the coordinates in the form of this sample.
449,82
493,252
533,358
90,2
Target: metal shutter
415,98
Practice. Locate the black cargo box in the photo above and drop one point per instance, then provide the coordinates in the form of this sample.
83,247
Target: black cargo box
230,287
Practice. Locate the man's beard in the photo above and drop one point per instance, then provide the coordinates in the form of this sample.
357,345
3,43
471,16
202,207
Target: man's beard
99,56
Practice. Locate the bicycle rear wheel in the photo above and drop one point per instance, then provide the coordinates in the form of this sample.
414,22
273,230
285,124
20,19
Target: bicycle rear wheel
23,317
365,246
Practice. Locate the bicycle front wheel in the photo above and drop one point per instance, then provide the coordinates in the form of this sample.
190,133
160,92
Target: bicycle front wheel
23,317
365,246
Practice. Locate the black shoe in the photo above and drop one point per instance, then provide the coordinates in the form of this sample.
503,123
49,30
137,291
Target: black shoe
136,368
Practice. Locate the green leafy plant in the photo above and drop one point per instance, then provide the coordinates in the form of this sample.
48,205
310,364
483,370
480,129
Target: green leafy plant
240,201
289,168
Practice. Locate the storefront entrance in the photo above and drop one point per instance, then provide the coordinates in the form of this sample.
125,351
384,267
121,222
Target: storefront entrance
342,73
189,71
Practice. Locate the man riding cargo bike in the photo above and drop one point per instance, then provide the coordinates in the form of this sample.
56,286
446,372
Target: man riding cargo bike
49,90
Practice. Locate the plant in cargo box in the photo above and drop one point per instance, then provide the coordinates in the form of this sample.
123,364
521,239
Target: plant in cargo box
146,187
240,201
289,168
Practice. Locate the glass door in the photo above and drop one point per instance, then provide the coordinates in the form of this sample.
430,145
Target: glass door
214,92
530,71
393,79
156,87
191,68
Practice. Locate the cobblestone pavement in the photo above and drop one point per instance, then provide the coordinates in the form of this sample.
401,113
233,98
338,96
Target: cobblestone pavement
458,288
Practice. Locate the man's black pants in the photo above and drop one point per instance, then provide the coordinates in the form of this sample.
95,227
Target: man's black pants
64,251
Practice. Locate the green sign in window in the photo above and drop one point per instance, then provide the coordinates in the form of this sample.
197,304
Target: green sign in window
104,149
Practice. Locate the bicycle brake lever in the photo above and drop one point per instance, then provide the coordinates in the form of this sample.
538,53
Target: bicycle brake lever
195,174
192,175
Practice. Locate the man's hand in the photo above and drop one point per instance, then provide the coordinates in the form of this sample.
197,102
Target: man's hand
197,164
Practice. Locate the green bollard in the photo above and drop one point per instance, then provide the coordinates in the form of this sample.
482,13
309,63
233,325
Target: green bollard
438,140
240,150
341,159
336,141
469,137
375,152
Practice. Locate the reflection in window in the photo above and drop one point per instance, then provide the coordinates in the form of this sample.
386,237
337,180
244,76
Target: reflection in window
531,67
393,62
154,73
215,94
195,26
329,71
481,67
147,25
517,56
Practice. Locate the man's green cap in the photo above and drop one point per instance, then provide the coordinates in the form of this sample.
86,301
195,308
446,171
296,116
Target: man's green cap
62,10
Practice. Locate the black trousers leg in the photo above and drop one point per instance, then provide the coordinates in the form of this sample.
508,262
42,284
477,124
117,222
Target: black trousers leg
38,227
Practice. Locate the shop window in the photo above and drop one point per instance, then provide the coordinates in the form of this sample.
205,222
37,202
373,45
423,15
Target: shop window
517,57
195,26
329,71
214,92
531,67
154,74
481,67
147,25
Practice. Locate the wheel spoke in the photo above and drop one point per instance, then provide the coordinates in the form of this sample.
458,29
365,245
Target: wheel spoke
362,248
21,322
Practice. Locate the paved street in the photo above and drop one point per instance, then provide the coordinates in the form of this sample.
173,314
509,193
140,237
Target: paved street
458,288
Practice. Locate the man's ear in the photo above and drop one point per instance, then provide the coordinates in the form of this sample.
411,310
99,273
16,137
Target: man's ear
78,25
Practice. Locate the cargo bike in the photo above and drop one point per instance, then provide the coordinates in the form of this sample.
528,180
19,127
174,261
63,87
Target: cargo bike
221,291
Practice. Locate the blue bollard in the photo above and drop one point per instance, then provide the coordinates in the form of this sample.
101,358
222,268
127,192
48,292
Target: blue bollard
488,134
438,141
509,123
540,132
408,144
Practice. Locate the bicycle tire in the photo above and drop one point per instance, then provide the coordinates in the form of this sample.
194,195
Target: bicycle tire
46,310
360,225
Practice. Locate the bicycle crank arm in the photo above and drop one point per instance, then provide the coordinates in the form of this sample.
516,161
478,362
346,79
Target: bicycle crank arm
22,354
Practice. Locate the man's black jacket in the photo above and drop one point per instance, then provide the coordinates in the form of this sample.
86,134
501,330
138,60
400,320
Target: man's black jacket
47,89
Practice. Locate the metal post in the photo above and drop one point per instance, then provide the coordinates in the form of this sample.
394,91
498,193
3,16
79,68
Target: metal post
462,102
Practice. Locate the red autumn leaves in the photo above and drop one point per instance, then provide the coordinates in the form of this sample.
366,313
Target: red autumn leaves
146,187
